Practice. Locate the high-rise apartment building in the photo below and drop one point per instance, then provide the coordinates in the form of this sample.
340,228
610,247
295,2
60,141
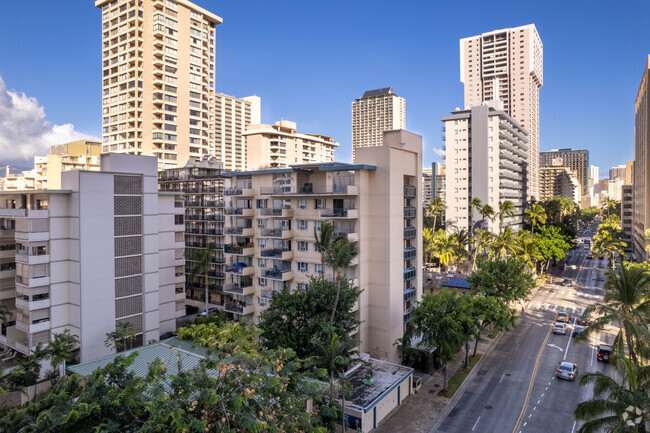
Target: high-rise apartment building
427,185
46,174
281,145
627,215
486,158
439,176
617,172
231,118
375,112
576,160
507,66
271,216
158,60
629,172
202,183
594,177
558,181
104,250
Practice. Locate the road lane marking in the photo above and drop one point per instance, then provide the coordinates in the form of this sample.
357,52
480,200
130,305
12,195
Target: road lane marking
532,381
502,376
566,352
574,426
525,423
593,350
538,401
476,423
529,416
535,408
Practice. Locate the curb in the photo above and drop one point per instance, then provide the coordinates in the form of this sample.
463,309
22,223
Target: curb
461,390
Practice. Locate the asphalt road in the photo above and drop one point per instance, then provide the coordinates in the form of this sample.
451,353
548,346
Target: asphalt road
516,389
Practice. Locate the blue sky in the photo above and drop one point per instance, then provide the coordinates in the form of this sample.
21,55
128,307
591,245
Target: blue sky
308,60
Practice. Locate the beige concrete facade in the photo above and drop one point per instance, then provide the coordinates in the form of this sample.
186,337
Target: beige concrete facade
106,249
629,173
269,229
507,65
627,215
559,181
158,61
46,174
373,113
577,160
228,127
486,158
281,145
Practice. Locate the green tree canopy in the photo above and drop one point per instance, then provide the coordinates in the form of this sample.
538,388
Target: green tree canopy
508,279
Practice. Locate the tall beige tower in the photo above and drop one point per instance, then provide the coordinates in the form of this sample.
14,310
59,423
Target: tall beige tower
507,65
375,112
228,127
158,60
641,173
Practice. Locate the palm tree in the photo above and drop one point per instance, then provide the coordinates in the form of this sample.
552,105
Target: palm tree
626,303
61,349
461,240
503,243
482,241
323,243
475,205
5,315
203,266
567,206
647,239
608,203
506,209
535,215
608,239
435,208
339,257
525,247
333,355
623,406
443,248
487,211
427,244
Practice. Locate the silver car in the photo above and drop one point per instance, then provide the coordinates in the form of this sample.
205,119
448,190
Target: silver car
560,328
567,371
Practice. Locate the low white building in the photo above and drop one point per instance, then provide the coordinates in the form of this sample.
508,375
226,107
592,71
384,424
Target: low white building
105,249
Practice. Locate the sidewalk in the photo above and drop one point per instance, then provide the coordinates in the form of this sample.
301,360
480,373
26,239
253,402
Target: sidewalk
419,411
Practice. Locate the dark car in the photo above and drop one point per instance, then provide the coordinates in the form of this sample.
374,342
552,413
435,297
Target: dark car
604,353
191,309
584,320
566,282
590,256
167,335
601,257
577,330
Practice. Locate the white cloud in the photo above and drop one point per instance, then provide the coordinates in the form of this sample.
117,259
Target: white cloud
25,130
439,152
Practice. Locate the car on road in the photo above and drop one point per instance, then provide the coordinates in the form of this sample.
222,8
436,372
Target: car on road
577,330
567,370
584,320
562,316
590,256
560,328
601,257
604,353
191,309
566,282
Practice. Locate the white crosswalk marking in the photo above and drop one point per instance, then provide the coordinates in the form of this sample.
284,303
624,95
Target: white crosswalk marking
562,292
573,310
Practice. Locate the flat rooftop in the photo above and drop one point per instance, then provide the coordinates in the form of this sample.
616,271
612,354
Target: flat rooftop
385,377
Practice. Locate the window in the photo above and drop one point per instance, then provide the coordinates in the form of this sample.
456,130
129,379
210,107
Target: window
170,107
170,117
261,243
301,286
318,268
178,219
319,203
302,204
261,224
303,246
261,282
303,267
170,127
317,225
261,263
303,225
261,204
195,131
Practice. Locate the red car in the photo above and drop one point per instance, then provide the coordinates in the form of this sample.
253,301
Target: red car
601,257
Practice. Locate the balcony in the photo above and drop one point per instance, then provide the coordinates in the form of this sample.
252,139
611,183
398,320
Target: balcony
277,253
309,189
409,294
35,326
279,274
409,253
410,212
277,212
239,250
238,192
241,231
241,309
242,289
409,274
339,213
410,232
279,233
240,269
410,191
350,236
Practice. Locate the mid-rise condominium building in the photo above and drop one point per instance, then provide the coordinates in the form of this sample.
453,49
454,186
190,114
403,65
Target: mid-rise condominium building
271,216
594,177
627,215
439,176
373,113
617,172
202,183
231,117
629,172
281,145
576,160
427,185
46,174
507,66
105,249
486,158
158,60
558,181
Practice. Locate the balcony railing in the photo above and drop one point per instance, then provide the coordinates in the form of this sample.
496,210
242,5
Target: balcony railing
409,253
410,232
275,273
274,252
409,274
236,230
409,191
310,189
335,213
410,212
409,294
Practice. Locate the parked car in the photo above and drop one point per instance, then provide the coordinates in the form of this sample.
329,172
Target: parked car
604,353
167,335
584,320
590,256
213,310
191,309
562,316
567,370
560,328
566,282
601,257
577,330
